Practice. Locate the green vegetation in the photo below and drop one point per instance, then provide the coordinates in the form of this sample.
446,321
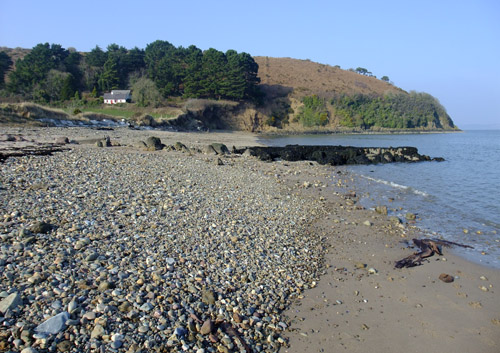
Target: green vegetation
314,112
5,64
395,111
51,74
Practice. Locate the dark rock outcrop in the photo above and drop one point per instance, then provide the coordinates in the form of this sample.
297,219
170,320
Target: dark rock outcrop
337,155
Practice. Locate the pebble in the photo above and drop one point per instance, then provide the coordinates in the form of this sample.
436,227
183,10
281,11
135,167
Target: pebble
140,241
53,325
11,302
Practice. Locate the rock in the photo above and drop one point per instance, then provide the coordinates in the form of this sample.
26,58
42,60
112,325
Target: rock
153,144
104,286
381,209
237,318
209,150
54,325
29,350
10,303
179,146
180,331
208,297
41,228
367,223
372,271
97,332
220,148
395,220
410,216
359,265
207,327
64,346
62,140
92,257
72,306
219,161
446,278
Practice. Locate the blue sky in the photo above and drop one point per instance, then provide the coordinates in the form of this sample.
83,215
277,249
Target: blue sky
450,49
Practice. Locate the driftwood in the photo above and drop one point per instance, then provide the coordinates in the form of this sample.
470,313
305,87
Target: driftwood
428,247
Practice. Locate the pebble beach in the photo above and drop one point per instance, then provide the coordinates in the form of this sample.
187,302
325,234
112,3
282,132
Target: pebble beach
121,249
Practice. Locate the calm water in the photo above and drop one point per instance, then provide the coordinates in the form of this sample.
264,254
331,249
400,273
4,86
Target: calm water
461,193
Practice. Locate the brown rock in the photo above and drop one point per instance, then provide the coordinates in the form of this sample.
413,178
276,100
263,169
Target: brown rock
446,278
207,327
237,318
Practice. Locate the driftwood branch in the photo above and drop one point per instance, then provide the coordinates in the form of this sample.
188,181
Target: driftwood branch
428,247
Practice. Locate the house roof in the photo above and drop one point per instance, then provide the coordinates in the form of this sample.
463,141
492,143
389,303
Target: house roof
117,94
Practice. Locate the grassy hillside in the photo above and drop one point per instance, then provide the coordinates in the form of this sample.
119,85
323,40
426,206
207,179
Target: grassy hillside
307,78
304,95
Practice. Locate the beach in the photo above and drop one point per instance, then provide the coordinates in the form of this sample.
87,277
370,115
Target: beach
188,251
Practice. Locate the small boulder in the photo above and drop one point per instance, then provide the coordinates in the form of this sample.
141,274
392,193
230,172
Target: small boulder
179,146
153,144
220,148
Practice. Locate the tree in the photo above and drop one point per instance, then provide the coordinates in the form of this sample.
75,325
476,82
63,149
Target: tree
385,78
33,68
96,58
109,78
5,64
145,93
54,83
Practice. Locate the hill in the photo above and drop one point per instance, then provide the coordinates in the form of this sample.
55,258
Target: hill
264,93
304,95
306,77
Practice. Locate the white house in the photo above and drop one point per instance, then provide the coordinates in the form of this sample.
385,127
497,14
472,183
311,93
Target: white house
117,96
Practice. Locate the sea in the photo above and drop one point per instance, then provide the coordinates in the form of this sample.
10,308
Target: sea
457,200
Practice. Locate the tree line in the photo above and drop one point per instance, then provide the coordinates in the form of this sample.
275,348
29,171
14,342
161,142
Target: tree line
394,110
51,73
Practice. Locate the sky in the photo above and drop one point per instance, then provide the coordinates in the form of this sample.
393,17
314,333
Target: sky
450,49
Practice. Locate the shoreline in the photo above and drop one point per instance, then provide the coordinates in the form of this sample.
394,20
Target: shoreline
392,310
342,305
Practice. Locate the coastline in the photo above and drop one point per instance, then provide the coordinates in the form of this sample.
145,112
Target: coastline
348,308
392,310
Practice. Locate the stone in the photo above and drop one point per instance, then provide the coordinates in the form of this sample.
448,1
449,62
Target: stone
381,210
53,325
41,228
219,162
359,265
220,148
104,286
11,302
179,146
97,332
410,216
208,297
29,350
367,223
62,140
64,346
446,278
92,257
207,327
209,150
153,143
